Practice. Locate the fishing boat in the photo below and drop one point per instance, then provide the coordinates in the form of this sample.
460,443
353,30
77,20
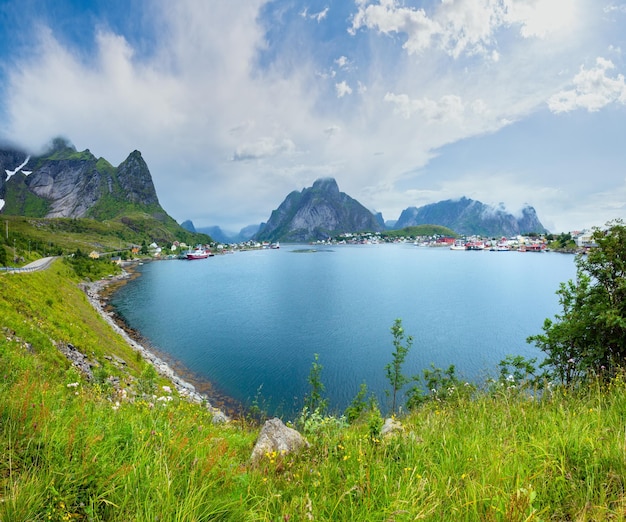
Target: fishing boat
198,253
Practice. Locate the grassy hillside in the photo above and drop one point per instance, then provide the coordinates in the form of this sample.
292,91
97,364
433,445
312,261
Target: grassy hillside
77,450
38,237
421,231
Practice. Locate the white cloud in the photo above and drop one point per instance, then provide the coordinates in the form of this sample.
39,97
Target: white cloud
465,26
592,89
342,89
448,107
612,8
539,18
264,148
342,62
318,17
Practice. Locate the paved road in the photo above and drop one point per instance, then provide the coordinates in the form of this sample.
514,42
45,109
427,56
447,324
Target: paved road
39,264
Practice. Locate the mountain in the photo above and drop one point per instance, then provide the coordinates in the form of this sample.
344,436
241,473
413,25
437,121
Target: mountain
188,225
223,236
466,216
226,236
317,212
65,183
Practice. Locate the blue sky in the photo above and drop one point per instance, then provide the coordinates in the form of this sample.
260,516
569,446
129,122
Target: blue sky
235,103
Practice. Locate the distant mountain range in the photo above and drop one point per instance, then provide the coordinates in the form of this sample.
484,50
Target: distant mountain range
322,211
63,182
222,236
467,217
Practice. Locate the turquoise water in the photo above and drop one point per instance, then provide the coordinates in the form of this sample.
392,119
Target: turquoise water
254,320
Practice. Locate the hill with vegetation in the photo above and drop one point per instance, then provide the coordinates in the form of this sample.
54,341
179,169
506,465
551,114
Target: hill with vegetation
118,443
421,231
24,239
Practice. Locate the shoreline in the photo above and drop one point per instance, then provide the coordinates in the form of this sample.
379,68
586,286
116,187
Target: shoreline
97,292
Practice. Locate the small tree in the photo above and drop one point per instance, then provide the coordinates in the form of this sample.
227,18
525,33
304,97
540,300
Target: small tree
394,369
314,401
589,337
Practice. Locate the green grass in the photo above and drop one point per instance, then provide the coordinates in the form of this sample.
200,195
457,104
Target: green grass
91,452
420,231
35,237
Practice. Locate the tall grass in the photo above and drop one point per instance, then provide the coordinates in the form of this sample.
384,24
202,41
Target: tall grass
73,450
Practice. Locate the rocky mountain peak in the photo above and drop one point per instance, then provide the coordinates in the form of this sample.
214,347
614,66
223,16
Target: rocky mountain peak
63,182
328,185
317,212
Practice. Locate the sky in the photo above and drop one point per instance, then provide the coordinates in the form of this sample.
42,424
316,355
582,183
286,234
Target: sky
236,103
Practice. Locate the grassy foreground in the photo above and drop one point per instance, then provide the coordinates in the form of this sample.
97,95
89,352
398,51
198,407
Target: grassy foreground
73,450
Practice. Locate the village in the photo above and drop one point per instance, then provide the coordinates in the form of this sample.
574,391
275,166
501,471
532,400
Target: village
575,242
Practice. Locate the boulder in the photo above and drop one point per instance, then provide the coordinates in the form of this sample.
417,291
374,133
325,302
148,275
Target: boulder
276,438
391,427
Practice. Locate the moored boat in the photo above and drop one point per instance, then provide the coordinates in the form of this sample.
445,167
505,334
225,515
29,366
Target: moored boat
198,253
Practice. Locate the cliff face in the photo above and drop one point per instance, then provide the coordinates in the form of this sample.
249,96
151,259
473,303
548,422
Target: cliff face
65,183
466,216
317,212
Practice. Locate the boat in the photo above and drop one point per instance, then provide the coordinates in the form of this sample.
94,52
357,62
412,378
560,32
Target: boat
198,253
458,245
275,246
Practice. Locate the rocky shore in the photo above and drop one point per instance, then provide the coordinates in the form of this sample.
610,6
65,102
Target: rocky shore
94,291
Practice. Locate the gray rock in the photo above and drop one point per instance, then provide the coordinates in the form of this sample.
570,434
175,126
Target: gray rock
276,437
391,427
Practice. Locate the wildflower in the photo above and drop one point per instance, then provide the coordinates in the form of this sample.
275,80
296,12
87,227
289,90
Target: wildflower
510,378
166,389
72,385
116,406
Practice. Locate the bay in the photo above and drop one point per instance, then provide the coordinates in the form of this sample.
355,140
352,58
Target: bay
251,322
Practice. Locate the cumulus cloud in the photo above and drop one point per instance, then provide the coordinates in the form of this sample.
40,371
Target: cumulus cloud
464,26
592,89
342,62
342,89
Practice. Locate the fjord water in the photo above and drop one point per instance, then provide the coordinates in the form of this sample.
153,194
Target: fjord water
254,320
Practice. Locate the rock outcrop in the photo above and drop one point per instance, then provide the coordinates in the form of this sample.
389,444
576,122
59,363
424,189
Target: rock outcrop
276,439
318,212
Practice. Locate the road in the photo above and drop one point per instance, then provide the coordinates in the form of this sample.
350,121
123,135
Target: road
39,264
